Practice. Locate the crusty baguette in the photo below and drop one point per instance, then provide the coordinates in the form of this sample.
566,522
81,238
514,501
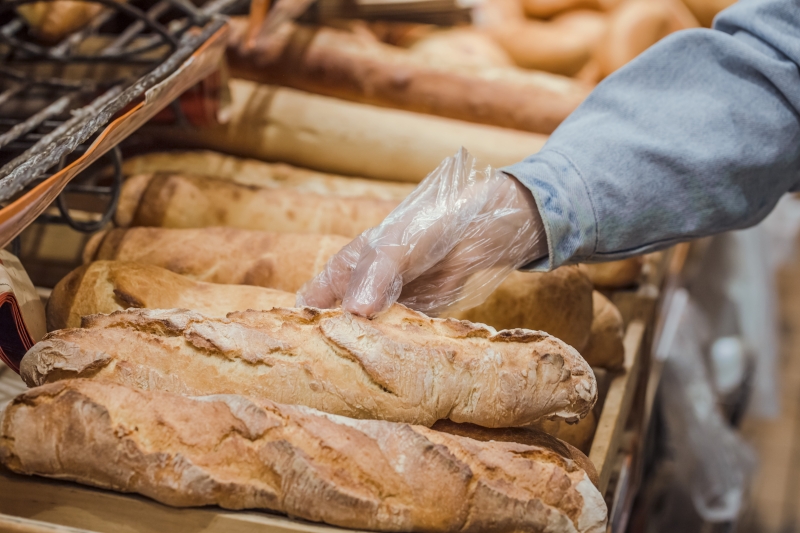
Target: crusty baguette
242,453
605,348
107,286
52,21
558,302
614,274
282,261
332,135
528,436
175,201
400,366
263,175
356,67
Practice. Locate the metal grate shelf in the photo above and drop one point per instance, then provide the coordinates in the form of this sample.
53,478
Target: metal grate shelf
57,98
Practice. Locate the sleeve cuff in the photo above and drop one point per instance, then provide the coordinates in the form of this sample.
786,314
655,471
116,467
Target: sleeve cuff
565,206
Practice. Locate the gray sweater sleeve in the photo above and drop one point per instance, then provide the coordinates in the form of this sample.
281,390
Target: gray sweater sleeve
698,135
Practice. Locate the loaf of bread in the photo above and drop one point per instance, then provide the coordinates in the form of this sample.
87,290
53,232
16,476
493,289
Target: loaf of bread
358,67
400,366
605,348
177,201
550,46
558,302
242,453
332,135
52,21
263,175
108,286
282,261
636,25
614,274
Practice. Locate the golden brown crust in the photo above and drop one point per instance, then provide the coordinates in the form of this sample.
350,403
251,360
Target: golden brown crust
400,366
62,299
635,25
357,67
549,46
605,348
130,197
92,246
175,201
333,135
242,453
528,436
108,286
52,21
253,173
283,261
614,274
558,302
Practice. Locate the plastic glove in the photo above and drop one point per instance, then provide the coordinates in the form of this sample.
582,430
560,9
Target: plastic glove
447,246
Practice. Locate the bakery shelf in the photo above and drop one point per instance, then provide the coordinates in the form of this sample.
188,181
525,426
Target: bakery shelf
65,105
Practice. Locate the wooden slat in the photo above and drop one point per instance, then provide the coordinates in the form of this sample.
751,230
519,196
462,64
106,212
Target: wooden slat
15,524
617,405
77,506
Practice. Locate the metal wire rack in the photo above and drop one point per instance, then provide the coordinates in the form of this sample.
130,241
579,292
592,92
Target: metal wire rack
56,97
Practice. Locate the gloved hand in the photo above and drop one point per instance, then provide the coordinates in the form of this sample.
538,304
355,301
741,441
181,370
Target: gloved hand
447,246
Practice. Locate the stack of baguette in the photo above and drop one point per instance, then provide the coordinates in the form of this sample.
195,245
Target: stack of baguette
213,270
121,344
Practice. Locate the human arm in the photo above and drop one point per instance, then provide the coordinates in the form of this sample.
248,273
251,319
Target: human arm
698,135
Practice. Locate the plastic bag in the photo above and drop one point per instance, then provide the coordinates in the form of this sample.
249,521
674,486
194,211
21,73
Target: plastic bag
711,459
445,247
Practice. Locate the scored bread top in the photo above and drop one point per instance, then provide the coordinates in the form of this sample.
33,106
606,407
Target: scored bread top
401,366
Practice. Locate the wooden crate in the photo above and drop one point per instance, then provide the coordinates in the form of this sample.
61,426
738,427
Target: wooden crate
44,504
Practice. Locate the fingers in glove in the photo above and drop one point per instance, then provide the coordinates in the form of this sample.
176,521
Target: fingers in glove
327,289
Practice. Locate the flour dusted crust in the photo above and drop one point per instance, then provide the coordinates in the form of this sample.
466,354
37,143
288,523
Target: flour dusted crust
283,261
242,453
558,302
401,366
107,286
262,175
178,201
357,67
